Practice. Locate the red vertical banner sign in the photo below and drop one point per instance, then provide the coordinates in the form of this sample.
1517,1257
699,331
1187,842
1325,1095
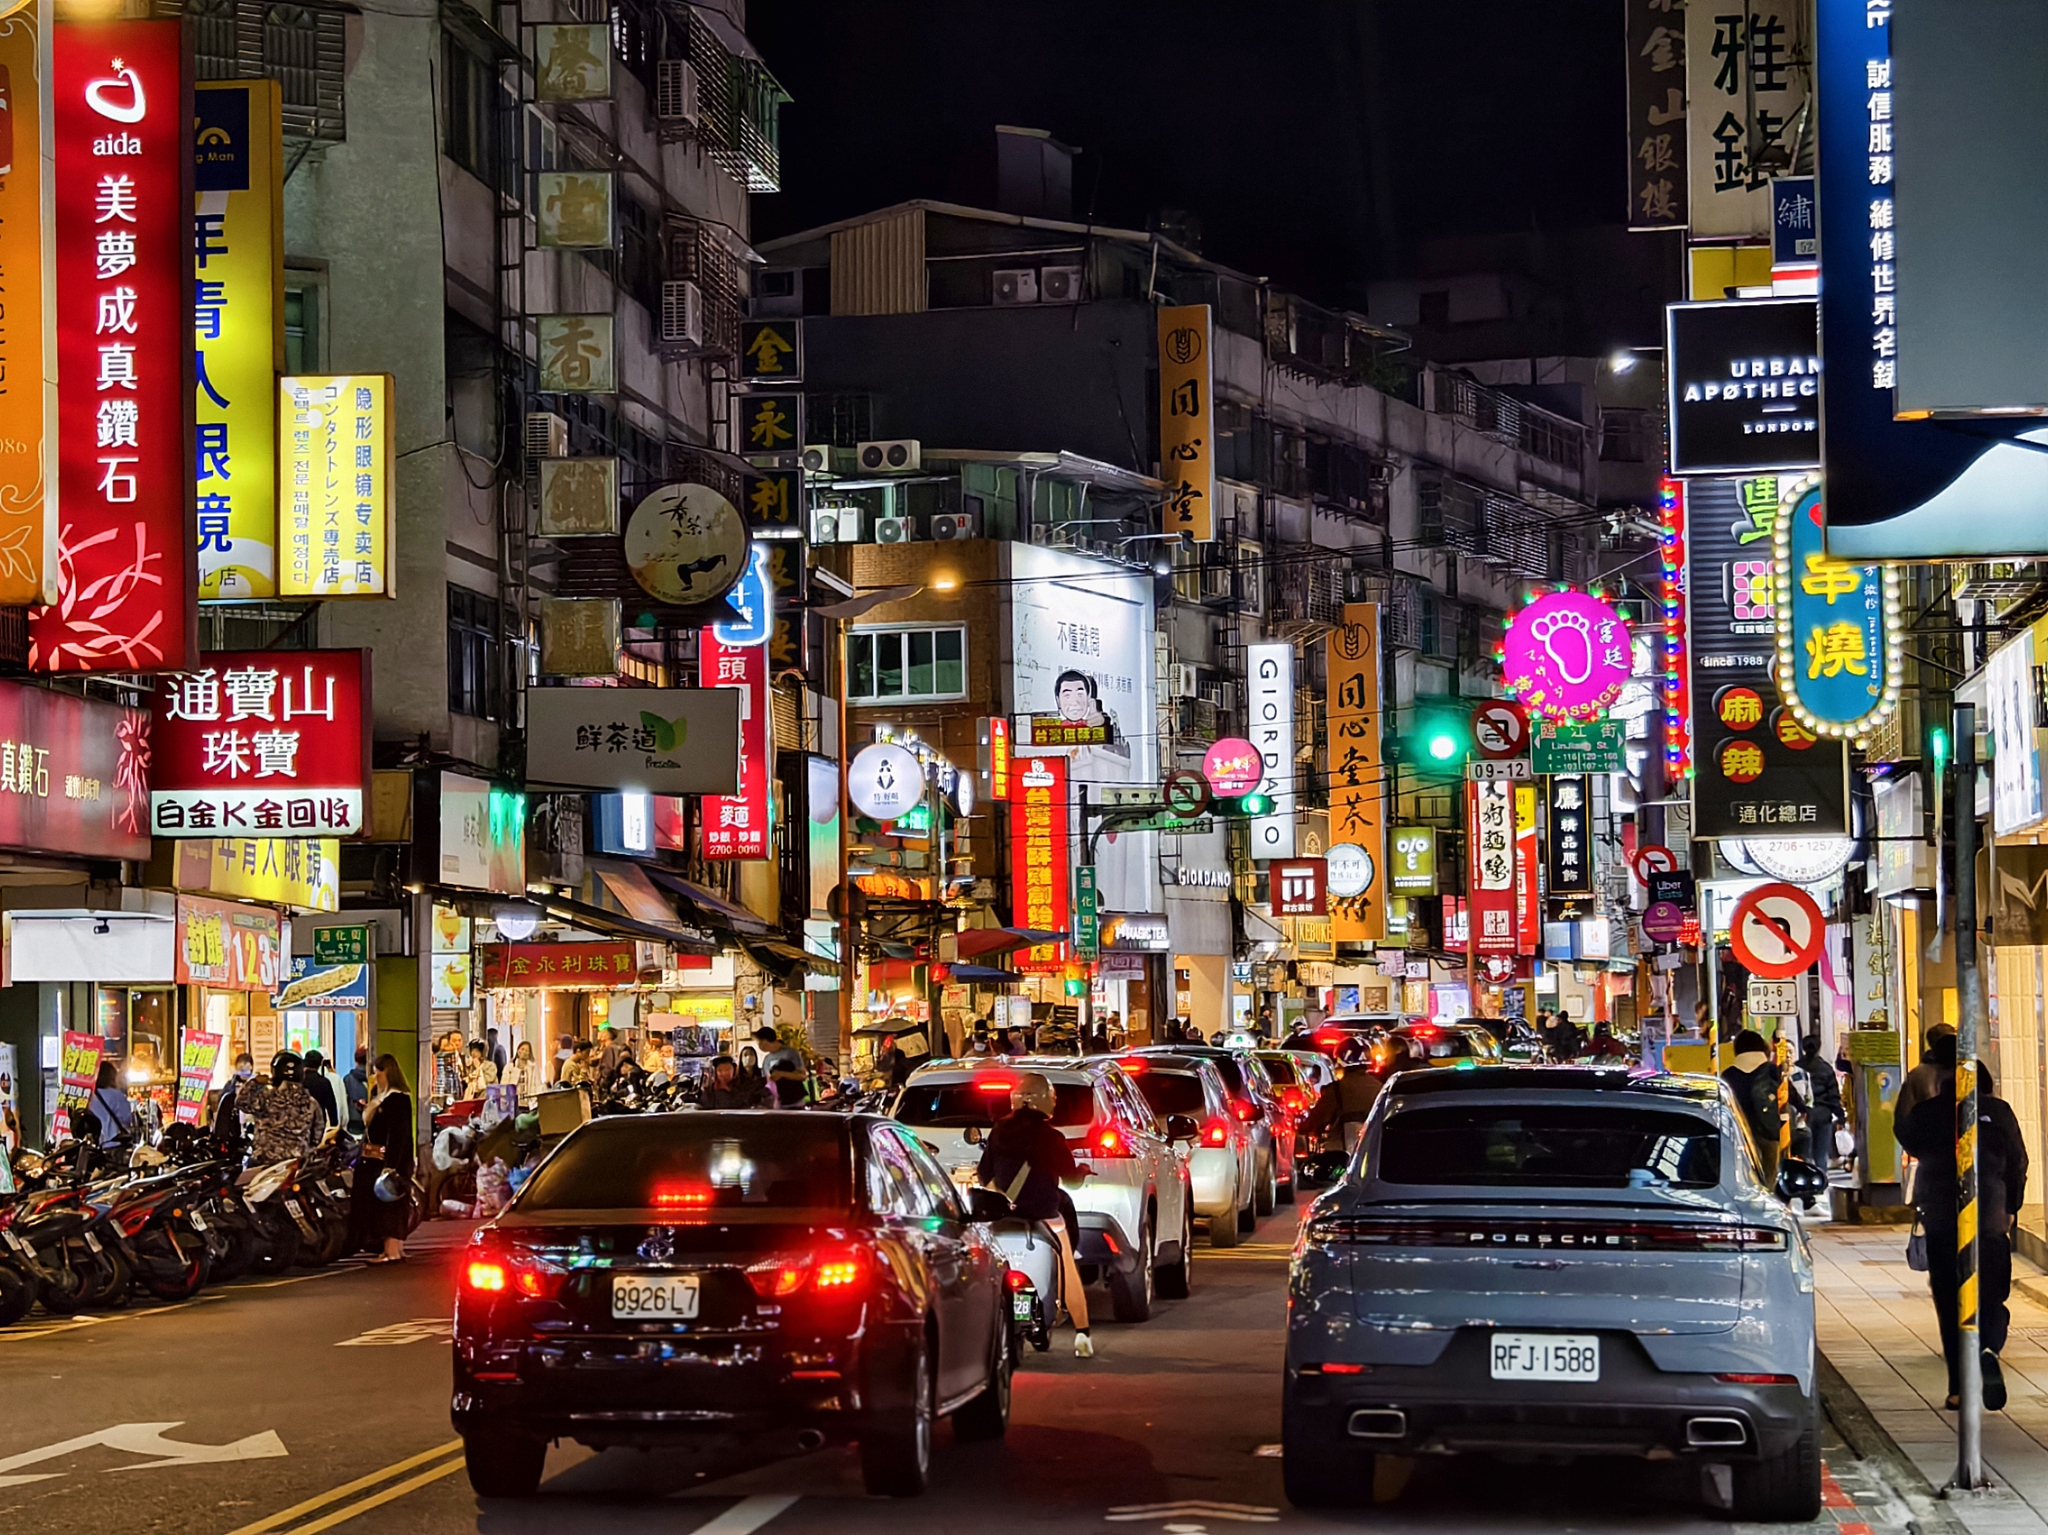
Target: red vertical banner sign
1528,892
1040,830
126,597
736,825
1490,881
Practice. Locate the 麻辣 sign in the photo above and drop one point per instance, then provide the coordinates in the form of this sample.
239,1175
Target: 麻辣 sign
263,742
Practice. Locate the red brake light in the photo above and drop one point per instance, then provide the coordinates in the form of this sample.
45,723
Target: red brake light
1328,1039
1244,1110
843,1273
1759,1380
682,1196
835,1271
1216,1133
995,1085
1017,1279
487,1277
1107,1141
777,1277
1133,1064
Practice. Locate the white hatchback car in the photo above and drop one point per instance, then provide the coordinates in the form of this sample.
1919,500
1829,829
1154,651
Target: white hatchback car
1136,1212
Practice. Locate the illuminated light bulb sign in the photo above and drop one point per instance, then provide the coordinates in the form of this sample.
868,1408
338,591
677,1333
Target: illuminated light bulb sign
1566,656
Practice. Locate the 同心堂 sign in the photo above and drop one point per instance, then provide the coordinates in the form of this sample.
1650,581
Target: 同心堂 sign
653,740
263,742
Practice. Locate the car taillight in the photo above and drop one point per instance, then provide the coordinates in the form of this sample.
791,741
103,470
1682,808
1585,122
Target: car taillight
1216,1133
681,1196
834,1272
487,1277
498,1274
1244,1110
1108,1141
1759,1380
1523,1235
1017,1279
995,1084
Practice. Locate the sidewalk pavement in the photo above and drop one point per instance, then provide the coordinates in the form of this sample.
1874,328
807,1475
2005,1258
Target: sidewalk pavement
1877,1329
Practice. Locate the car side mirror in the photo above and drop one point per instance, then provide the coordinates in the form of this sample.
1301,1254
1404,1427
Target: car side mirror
1182,1127
987,1205
973,1135
1800,1180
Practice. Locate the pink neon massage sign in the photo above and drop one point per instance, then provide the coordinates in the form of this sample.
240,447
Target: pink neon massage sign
1566,656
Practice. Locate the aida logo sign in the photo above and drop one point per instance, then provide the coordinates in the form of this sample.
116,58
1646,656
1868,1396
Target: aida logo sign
119,98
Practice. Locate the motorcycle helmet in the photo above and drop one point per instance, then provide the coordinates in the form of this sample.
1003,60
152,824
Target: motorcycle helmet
285,1066
389,1187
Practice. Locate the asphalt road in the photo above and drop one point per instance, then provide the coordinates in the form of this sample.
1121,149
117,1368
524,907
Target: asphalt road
321,1402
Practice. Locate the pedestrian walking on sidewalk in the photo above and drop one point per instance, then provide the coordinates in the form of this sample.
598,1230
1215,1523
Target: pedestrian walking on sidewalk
1929,1133
1753,1078
1824,1101
1937,1060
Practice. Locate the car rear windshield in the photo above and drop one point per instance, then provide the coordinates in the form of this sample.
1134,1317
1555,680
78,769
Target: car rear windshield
697,1161
1550,1146
1232,1072
1171,1093
1280,1069
956,1105
1437,1047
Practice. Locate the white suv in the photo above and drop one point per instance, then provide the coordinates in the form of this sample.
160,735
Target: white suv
1136,1213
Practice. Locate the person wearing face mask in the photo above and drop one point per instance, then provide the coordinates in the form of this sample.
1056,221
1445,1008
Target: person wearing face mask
226,1120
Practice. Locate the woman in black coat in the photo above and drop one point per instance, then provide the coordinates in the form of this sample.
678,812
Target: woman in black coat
387,1147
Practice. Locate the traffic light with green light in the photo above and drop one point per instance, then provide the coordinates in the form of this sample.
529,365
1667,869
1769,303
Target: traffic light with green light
1438,738
1244,807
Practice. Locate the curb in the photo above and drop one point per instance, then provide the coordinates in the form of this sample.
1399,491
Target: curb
1862,1432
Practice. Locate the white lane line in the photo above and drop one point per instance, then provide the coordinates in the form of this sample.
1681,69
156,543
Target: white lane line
748,1515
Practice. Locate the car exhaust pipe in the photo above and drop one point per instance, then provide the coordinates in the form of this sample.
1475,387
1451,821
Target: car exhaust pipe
1715,1433
810,1439
1377,1423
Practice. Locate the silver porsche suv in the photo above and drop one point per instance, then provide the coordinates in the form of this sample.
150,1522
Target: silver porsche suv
1556,1261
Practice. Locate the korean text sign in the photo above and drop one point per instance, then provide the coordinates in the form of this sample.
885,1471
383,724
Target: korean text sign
336,485
1039,835
126,599
28,345
1187,435
237,331
736,825
264,742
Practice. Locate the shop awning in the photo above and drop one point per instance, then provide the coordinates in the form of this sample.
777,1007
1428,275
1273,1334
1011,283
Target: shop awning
635,893
738,918
979,941
981,975
596,919
785,960
112,947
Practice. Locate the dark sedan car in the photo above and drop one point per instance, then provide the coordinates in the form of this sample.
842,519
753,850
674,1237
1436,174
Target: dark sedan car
749,1274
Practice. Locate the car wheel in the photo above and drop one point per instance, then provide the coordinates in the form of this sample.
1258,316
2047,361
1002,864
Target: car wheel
896,1462
1176,1279
1223,1228
1318,1467
1130,1295
1266,1195
988,1415
1782,1488
504,1465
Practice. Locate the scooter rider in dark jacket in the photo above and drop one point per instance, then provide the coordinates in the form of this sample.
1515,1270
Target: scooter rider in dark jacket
1026,1159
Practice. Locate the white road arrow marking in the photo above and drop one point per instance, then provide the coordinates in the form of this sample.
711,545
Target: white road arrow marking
143,1439
425,1329
1242,1513
748,1515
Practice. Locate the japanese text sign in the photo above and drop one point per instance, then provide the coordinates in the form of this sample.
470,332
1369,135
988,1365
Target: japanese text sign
198,1053
226,945
604,964
1356,772
1187,422
125,594
1570,814
654,740
74,774
1040,821
263,742
237,331
28,345
736,824
337,487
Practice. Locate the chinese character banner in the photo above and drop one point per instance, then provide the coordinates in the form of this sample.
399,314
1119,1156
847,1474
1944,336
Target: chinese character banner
1187,422
338,498
736,824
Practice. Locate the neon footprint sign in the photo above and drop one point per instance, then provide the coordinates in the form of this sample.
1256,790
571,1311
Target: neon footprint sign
1566,655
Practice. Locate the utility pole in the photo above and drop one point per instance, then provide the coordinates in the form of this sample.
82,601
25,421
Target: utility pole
1970,1008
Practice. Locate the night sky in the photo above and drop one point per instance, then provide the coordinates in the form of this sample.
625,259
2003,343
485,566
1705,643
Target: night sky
1259,118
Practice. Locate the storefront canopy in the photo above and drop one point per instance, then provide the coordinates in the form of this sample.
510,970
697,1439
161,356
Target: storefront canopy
715,907
981,975
595,919
126,948
979,941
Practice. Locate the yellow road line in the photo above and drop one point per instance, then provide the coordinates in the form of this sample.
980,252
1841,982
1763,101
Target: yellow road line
285,1516
410,1484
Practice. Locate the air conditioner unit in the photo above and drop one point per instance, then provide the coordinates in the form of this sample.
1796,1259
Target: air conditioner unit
682,313
1041,533
881,457
836,525
818,458
1184,684
894,530
1058,285
547,435
675,92
947,526
1015,285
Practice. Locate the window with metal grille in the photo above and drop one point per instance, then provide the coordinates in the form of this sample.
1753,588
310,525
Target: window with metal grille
843,419
302,47
472,654
215,55
469,115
